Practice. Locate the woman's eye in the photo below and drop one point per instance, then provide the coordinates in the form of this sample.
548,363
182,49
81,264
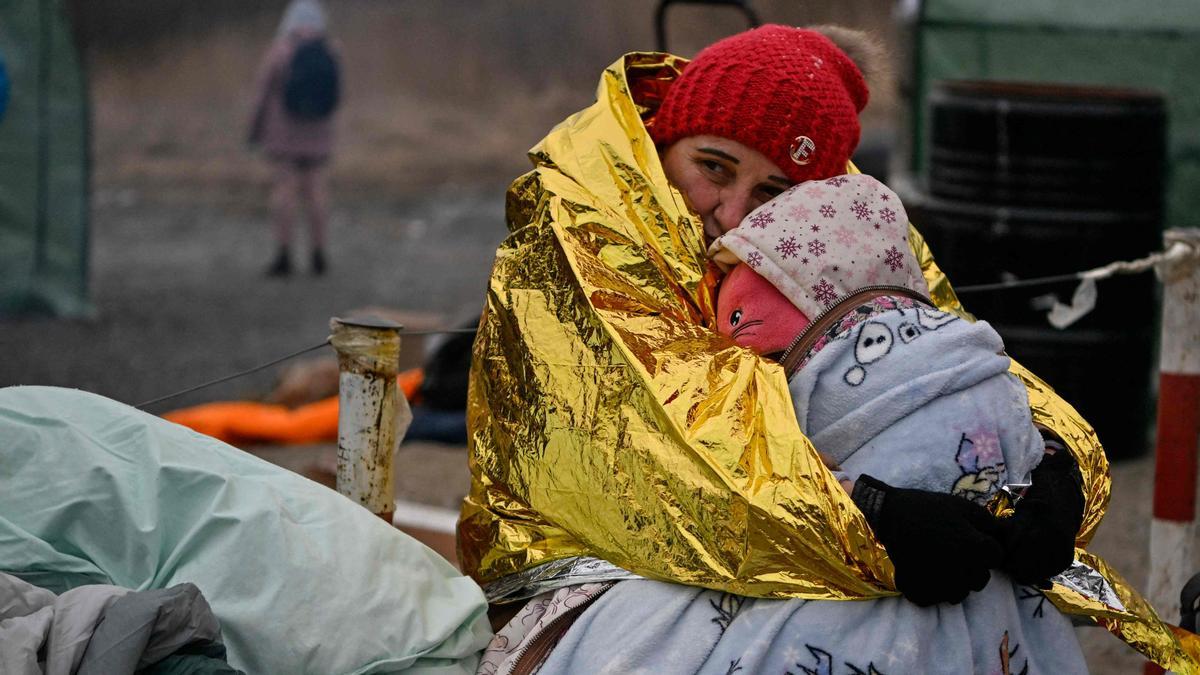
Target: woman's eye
770,192
735,318
714,167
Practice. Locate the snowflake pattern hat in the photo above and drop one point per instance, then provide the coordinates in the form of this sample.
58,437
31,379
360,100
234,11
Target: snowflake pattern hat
822,240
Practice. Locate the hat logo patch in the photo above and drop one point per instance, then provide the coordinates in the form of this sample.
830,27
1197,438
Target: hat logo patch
802,150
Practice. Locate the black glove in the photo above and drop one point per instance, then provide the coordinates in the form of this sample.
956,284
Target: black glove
1039,538
941,545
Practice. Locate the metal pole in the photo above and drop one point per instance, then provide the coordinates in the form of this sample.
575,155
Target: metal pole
44,81
1173,528
372,414
660,16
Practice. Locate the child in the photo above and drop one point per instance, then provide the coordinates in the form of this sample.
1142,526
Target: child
883,383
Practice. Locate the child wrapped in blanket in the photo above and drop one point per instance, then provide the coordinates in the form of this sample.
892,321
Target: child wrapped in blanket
888,388
912,403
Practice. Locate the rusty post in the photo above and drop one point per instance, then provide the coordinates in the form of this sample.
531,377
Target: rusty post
372,414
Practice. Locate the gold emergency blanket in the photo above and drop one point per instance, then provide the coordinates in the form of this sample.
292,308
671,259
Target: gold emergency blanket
607,418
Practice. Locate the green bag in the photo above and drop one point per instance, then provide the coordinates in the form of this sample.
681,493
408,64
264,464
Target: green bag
301,579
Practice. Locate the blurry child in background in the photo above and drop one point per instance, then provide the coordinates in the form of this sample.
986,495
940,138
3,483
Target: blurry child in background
298,91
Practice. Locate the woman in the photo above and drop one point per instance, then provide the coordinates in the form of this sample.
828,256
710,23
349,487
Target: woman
615,436
297,137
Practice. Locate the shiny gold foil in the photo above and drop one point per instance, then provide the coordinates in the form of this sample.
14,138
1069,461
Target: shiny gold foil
1138,626
608,419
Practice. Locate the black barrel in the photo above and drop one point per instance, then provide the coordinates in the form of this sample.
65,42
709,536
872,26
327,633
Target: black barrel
1030,181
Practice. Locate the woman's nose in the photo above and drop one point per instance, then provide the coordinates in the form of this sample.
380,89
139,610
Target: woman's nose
735,205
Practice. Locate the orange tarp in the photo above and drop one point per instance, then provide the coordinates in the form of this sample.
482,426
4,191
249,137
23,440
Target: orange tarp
249,422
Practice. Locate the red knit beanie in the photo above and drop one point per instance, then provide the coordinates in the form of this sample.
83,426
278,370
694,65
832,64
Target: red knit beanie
788,93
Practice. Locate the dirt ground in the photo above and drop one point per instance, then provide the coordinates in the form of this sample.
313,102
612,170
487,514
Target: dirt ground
180,297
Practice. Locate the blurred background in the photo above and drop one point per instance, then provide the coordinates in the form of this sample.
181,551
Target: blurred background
434,93
155,212
134,219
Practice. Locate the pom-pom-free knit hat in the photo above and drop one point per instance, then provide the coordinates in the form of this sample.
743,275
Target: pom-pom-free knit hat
788,93
822,240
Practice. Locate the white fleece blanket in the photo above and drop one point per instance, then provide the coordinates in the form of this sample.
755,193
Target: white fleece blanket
918,398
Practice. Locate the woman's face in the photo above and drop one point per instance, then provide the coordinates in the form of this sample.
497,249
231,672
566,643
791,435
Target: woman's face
722,180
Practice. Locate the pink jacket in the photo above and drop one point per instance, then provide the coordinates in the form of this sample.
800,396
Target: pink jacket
281,136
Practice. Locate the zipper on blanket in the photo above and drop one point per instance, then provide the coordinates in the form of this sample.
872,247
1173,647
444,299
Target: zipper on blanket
790,360
531,656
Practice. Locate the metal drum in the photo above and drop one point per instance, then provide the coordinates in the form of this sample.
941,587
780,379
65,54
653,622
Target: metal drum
1030,181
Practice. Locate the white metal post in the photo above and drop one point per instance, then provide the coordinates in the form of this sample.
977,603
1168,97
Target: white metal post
372,414
1172,531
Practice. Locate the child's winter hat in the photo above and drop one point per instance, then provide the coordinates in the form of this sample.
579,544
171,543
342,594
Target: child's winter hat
789,93
822,240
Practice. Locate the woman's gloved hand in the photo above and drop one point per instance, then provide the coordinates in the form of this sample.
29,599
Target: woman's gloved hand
942,546
1039,538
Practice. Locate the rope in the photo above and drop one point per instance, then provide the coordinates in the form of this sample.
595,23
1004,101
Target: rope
281,359
1017,283
255,369
1178,252
438,331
